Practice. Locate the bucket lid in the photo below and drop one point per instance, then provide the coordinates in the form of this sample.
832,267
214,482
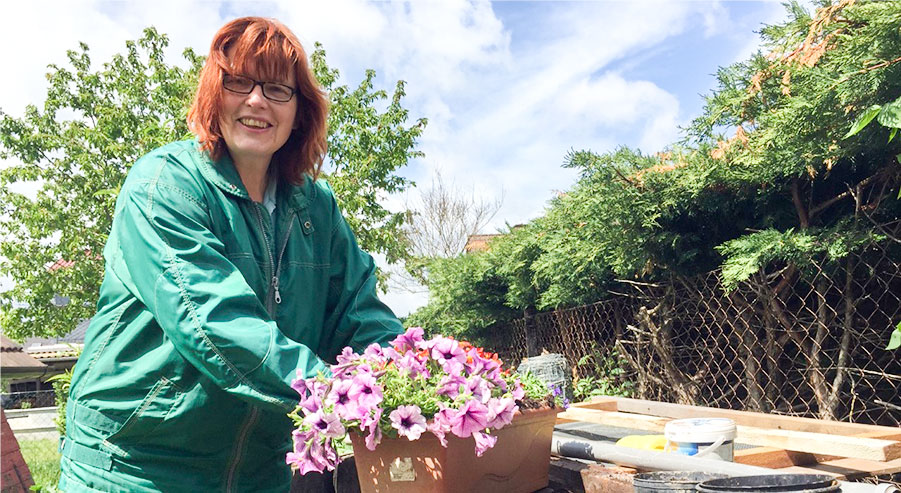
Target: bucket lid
699,430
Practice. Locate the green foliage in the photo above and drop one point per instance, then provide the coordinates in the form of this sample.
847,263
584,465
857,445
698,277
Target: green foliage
747,255
61,384
77,149
538,391
467,297
94,124
366,147
603,375
769,173
895,339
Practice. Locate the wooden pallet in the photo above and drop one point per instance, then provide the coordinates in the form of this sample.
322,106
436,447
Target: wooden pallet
786,443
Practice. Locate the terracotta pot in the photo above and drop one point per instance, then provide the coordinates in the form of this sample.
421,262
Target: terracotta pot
518,462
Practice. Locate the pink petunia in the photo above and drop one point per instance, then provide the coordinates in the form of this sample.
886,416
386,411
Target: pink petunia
484,442
375,433
412,365
409,340
441,423
448,354
339,396
309,454
365,391
473,416
408,421
326,424
500,412
451,385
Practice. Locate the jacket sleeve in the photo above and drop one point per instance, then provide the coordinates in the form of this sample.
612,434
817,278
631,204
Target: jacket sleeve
177,268
356,317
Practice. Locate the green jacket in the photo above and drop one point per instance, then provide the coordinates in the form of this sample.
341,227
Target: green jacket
206,314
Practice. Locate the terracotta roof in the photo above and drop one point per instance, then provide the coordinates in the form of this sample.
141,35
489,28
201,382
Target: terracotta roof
15,359
478,243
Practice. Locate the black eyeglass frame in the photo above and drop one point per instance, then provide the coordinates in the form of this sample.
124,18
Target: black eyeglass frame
256,83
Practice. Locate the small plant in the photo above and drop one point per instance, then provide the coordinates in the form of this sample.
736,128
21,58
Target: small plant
603,375
61,384
415,386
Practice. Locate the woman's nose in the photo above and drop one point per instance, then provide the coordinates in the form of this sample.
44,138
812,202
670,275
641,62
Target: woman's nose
256,98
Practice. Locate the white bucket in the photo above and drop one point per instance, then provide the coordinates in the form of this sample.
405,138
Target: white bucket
710,438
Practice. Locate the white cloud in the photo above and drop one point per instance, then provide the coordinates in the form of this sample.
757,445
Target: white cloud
508,88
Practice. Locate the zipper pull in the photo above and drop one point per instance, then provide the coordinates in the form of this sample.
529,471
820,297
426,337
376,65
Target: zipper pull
278,296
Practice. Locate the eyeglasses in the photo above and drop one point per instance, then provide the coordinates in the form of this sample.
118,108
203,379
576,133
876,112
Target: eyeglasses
272,91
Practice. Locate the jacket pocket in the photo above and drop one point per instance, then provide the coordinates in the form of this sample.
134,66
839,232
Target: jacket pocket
152,411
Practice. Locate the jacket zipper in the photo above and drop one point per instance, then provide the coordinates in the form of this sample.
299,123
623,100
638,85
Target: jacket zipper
270,268
278,263
239,445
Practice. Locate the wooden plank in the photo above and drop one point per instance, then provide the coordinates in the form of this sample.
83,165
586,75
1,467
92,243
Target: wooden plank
775,458
612,418
602,404
760,420
821,443
846,468
814,443
857,468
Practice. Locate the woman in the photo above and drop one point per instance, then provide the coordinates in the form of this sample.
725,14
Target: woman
229,272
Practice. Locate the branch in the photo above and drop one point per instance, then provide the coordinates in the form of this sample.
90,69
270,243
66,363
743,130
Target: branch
864,70
844,195
799,206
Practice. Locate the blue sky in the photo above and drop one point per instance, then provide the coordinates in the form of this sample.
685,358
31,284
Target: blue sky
508,87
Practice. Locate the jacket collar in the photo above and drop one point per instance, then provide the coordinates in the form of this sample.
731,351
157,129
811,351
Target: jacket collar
224,175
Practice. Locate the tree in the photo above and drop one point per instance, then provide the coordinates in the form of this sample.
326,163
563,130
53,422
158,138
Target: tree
96,123
440,220
771,185
365,149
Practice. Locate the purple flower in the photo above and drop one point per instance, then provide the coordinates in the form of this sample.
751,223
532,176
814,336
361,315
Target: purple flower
500,412
373,351
310,454
450,386
441,423
518,392
365,391
327,424
412,365
375,433
346,360
473,416
311,391
408,421
484,442
479,388
339,396
482,366
409,340
449,354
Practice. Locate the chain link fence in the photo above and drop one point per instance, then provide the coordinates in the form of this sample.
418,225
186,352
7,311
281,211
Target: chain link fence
801,341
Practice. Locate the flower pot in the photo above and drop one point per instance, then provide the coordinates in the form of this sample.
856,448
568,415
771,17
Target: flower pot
518,462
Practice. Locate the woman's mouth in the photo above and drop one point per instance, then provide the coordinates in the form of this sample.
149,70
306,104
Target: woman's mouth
254,123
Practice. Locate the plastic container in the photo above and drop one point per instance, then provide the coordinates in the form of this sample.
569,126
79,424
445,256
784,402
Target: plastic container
710,438
773,483
678,481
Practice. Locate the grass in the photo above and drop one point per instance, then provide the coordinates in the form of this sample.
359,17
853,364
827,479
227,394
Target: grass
42,457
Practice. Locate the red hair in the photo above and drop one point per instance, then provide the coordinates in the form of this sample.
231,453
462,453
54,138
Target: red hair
266,49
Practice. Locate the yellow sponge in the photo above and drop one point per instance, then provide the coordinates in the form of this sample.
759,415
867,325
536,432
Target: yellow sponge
644,442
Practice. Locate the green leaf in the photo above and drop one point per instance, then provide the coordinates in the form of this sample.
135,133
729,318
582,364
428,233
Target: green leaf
895,341
890,116
864,119
892,135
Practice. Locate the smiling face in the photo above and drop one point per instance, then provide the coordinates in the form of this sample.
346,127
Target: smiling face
254,127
